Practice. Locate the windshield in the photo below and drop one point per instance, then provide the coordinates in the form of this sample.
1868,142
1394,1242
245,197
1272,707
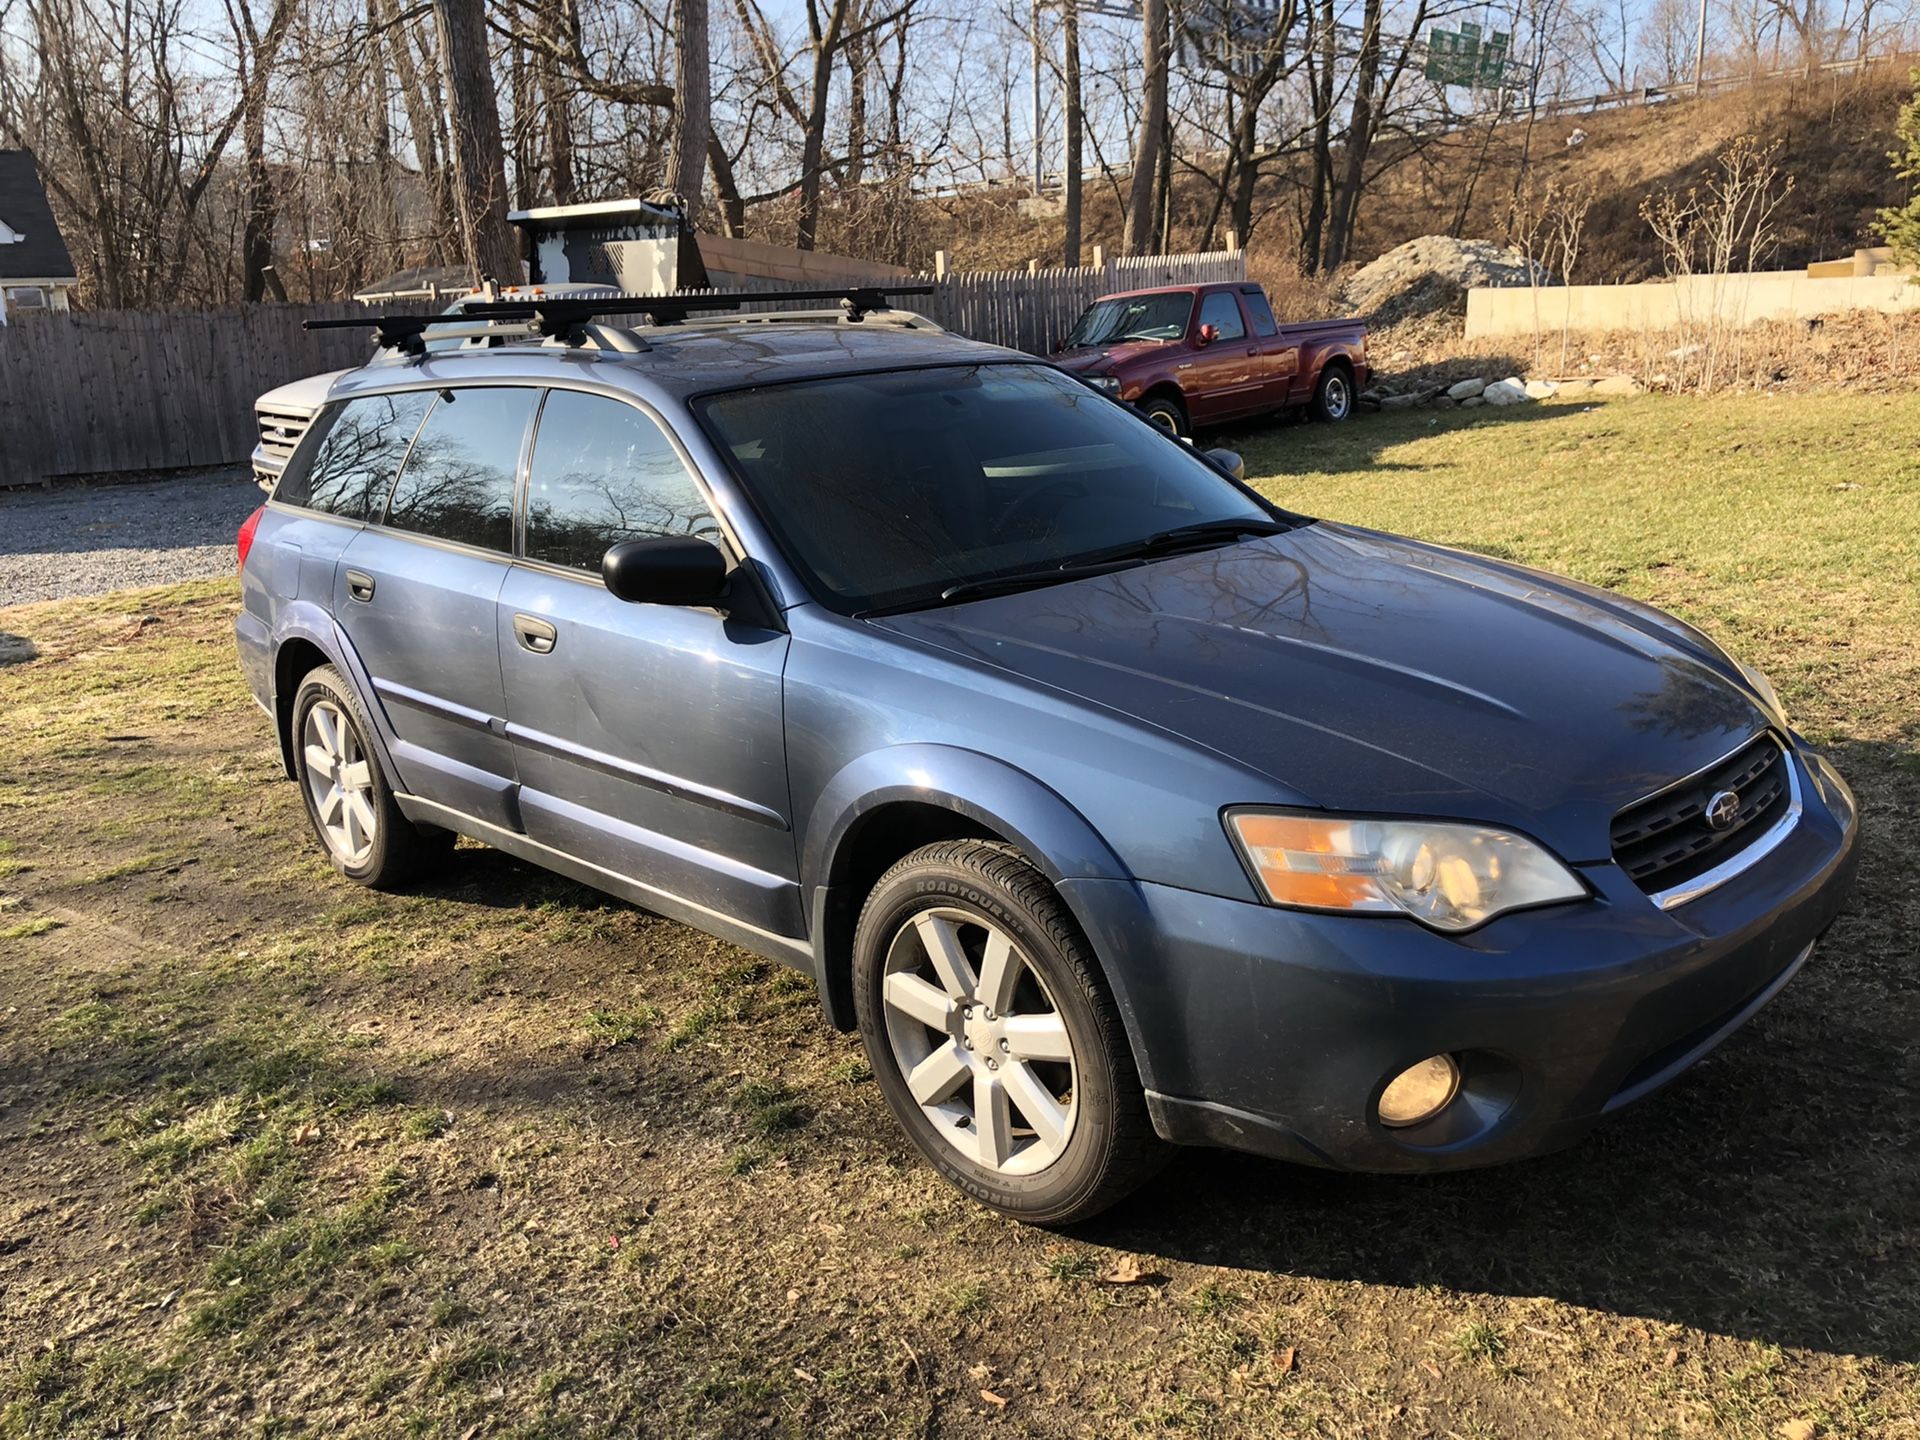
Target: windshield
1137,317
889,491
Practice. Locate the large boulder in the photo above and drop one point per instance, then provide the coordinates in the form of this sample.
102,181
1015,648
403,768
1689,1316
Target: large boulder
1465,389
1541,389
1511,391
1431,276
1617,385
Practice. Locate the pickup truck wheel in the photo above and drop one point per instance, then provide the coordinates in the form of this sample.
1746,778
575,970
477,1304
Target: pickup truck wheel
349,800
1165,412
992,1035
1333,396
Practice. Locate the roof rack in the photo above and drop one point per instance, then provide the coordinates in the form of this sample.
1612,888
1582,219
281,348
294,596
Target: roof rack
569,318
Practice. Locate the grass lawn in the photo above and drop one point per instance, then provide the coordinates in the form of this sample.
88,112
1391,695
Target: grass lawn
503,1158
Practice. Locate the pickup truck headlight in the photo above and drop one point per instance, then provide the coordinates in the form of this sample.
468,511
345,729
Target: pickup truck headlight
1106,384
1448,876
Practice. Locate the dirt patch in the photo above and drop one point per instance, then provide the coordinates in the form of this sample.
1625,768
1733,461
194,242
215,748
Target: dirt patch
502,1157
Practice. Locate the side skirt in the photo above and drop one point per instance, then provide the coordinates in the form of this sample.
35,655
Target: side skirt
787,949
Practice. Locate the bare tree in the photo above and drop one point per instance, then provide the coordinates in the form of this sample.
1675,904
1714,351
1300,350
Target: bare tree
1151,138
479,163
693,111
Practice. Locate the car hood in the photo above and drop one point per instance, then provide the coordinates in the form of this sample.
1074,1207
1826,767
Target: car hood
1364,672
1104,359
299,397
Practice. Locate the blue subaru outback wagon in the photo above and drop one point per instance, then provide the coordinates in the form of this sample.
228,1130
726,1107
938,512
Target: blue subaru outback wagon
1113,805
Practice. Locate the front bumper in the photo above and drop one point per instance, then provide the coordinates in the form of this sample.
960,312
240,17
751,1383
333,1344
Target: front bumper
1275,1031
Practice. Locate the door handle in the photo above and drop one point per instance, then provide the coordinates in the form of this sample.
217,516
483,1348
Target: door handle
534,634
359,585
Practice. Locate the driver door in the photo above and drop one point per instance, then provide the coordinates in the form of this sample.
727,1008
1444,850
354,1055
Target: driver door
1220,380
649,738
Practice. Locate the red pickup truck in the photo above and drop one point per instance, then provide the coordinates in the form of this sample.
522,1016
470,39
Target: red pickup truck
1197,355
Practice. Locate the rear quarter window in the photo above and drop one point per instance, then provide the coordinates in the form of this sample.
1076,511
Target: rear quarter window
346,463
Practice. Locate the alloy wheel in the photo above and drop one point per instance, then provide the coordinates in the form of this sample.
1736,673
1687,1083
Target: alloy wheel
340,784
1337,398
983,1049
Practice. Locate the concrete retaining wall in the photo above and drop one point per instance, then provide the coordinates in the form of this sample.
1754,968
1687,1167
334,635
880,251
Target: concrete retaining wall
1739,299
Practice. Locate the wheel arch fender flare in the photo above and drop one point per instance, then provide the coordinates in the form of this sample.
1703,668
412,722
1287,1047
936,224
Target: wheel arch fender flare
986,793
306,622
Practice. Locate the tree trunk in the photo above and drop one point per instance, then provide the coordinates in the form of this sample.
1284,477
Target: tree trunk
1360,128
733,209
693,92
1076,120
857,50
473,122
1148,142
826,44
554,98
1313,230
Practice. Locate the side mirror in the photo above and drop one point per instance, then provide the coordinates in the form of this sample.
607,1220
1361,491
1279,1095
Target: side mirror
1230,462
666,570
1207,335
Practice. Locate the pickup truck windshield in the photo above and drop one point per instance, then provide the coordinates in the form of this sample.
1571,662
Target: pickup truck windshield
1138,317
917,487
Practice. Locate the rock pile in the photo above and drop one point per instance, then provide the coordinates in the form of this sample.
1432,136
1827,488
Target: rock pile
1431,276
1513,390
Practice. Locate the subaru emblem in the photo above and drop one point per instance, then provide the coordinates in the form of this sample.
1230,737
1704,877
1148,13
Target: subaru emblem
1723,809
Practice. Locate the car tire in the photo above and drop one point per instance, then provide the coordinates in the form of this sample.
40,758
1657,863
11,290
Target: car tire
348,798
1068,1132
1333,395
1167,413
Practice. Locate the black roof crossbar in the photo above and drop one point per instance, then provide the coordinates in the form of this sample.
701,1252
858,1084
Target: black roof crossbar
393,332
551,315
566,315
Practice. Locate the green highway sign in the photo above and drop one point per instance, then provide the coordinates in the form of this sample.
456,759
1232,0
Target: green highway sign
1464,57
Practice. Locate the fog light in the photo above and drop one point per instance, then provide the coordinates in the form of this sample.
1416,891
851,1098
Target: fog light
1420,1092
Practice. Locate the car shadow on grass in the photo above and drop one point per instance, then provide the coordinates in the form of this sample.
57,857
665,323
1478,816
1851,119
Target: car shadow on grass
1290,446
1771,1194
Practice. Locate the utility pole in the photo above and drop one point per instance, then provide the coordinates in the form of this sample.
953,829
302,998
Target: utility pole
1039,148
1700,51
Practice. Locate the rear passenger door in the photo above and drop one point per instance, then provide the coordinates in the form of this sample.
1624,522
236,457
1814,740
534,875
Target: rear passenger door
416,595
649,739
1276,359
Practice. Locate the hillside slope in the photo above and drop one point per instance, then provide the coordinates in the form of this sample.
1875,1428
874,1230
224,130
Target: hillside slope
1833,133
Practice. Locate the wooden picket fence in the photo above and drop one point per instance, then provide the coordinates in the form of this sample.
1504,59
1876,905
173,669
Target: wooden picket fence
112,392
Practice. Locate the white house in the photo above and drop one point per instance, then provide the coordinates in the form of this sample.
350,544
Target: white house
36,273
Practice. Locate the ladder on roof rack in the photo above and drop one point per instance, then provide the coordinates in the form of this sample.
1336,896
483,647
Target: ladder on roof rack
568,317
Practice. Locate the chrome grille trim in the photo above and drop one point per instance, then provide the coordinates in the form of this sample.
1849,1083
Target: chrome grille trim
1749,855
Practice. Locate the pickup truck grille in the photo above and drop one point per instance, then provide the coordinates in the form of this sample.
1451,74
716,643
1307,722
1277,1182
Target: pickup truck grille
1668,839
280,432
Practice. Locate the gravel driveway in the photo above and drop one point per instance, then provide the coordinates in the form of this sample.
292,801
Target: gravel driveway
87,541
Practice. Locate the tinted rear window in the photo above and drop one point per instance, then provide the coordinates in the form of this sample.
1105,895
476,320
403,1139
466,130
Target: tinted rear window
1259,312
458,481
348,469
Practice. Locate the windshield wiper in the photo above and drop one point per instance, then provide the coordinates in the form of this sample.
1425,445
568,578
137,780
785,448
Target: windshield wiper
1196,536
1034,579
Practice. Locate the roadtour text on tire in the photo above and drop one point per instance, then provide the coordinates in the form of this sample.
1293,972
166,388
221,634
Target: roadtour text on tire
993,1036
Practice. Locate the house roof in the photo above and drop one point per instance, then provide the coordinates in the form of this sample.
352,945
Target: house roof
42,254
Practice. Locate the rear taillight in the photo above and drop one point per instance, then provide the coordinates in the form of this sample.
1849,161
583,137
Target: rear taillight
243,542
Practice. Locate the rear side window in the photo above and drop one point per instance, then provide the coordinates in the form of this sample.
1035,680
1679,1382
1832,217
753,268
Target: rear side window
458,481
349,468
605,472
1220,311
1260,312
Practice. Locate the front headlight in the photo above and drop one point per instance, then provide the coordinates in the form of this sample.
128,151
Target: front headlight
1451,877
1105,384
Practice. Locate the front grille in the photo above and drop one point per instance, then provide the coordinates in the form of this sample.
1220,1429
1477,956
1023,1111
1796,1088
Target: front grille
279,433
1666,839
